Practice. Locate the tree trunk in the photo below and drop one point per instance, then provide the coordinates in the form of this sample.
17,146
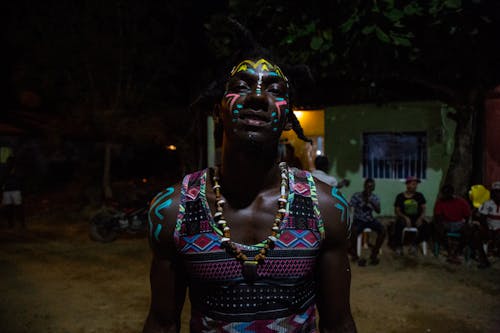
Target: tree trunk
459,172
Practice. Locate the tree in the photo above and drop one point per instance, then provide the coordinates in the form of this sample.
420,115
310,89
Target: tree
386,50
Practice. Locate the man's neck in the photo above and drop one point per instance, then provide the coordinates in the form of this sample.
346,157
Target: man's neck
244,174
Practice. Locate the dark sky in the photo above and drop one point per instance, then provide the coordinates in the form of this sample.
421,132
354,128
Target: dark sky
59,52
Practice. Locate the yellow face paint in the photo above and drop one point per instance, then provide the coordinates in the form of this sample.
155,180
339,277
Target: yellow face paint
261,65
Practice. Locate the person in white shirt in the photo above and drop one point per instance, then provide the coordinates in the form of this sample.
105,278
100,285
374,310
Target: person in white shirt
489,220
320,170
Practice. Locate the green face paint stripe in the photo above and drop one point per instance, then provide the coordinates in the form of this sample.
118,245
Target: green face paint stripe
160,207
280,99
157,232
239,106
275,129
342,210
273,114
157,205
338,196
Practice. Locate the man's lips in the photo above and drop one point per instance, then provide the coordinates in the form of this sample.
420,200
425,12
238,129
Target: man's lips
258,118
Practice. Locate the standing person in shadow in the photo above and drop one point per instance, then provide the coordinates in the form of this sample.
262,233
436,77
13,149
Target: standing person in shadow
409,208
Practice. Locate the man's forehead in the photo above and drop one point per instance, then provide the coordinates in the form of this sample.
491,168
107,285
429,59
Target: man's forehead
261,65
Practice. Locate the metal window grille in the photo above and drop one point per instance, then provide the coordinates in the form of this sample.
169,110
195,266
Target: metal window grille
395,155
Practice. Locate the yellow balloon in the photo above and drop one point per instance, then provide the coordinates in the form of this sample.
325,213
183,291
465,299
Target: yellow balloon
478,194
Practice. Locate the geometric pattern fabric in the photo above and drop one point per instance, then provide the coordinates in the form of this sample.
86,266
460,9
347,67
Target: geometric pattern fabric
290,263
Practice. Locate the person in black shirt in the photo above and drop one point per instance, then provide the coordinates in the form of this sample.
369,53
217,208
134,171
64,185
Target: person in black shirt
409,208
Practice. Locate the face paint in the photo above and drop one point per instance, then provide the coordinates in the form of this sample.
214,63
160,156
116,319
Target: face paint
261,65
262,69
258,90
231,98
235,112
280,102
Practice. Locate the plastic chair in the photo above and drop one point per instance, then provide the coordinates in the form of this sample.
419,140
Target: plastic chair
359,243
415,231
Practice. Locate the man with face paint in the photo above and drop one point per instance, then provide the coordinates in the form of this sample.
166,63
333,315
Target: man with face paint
260,246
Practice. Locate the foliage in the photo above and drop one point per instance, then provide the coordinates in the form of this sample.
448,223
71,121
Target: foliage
382,50
362,44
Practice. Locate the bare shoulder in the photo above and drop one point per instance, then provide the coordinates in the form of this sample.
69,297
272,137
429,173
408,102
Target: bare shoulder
163,211
334,210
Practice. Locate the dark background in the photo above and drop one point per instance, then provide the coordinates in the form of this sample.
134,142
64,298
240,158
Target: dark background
134,77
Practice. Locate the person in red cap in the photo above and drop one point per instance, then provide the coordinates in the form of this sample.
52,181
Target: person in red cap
409,208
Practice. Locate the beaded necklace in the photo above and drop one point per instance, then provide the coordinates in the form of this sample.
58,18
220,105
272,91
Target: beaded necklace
250,265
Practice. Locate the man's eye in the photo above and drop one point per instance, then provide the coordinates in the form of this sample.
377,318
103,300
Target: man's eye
240,87
274,90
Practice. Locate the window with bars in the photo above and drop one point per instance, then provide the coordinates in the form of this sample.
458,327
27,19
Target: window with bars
394,155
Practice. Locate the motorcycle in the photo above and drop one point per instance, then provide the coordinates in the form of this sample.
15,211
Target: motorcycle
109,222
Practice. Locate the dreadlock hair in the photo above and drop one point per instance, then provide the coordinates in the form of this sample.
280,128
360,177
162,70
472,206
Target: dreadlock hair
297,128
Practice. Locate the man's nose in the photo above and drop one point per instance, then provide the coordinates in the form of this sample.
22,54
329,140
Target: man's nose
256,100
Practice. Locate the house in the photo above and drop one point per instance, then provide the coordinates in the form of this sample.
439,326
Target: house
387,142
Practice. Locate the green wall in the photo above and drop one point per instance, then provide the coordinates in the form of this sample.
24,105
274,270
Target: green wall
344,128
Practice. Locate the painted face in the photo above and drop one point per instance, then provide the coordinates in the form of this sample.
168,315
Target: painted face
255,104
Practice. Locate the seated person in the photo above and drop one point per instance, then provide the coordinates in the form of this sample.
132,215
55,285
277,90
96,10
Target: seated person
364,203
450,216
489,225
409,208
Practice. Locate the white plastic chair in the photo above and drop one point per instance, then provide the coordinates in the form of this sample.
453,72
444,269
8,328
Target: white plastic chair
414,230
359,243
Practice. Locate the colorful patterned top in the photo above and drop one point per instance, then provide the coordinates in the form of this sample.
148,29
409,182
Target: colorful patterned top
282,299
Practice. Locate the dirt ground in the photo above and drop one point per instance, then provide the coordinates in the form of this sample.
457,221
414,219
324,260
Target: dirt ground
54,279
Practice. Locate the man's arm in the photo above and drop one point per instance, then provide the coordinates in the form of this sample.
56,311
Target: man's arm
399,212
402,216
375,202
333,270
168,282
